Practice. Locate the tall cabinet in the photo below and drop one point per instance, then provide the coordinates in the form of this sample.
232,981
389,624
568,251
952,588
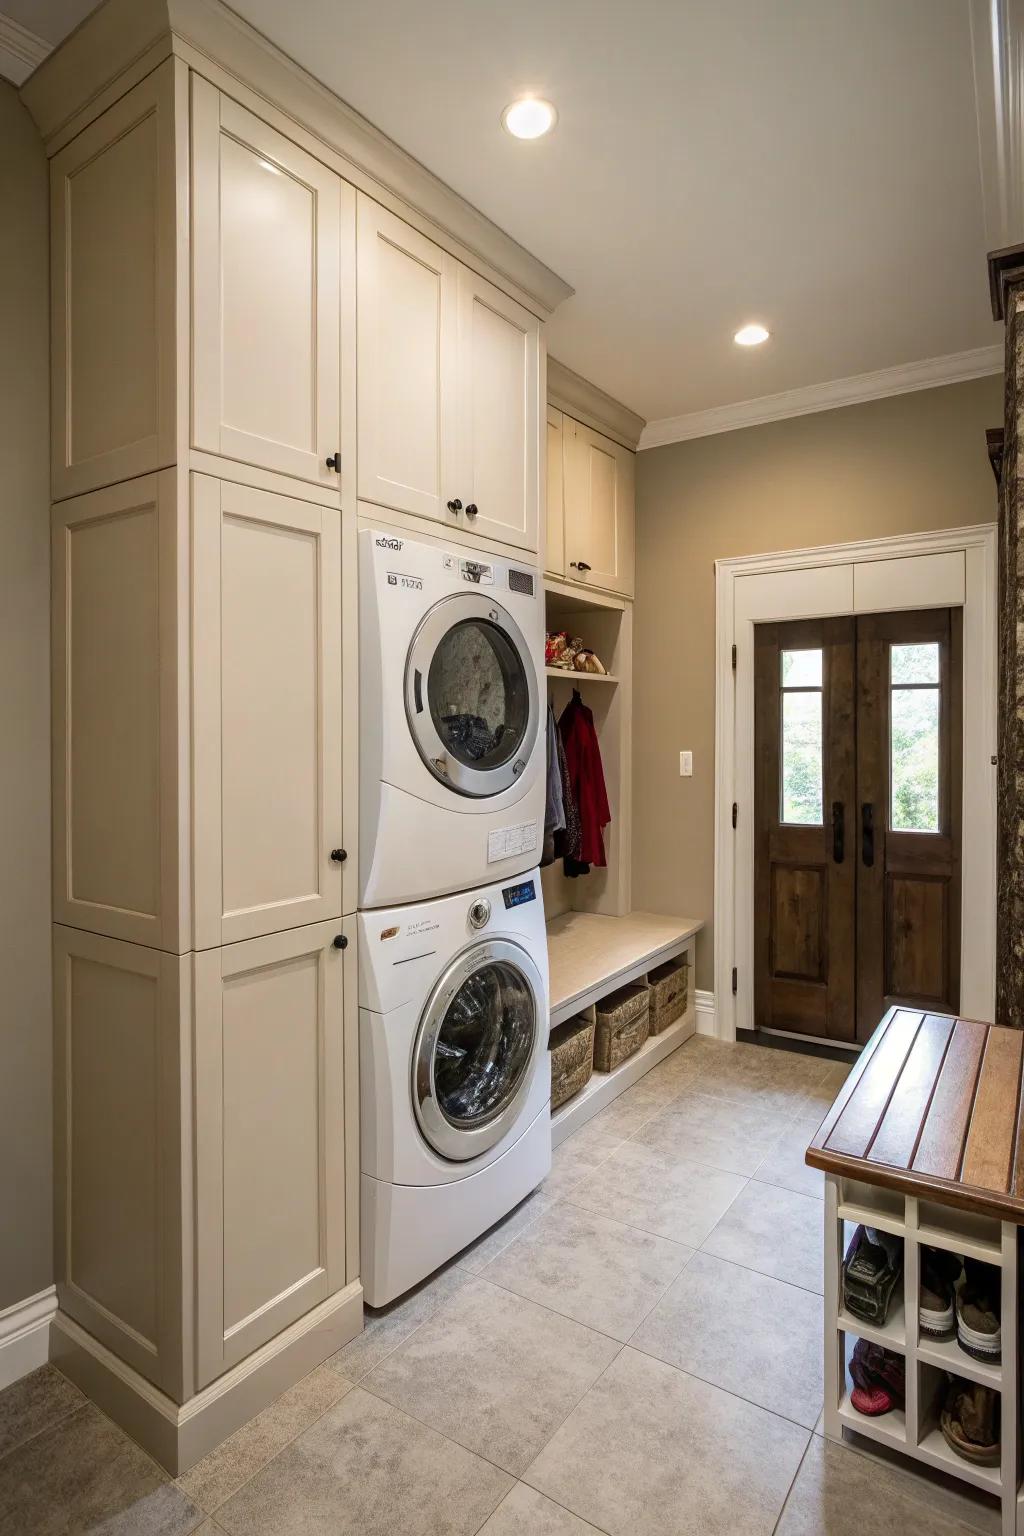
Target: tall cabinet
211,436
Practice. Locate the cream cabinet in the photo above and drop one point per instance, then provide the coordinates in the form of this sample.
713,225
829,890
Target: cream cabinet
267,707
554,539
448,391
272,247
270,1145
113,192
599,498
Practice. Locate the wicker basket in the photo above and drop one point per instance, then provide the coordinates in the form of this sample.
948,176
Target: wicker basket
571,1046
669,993
623,1024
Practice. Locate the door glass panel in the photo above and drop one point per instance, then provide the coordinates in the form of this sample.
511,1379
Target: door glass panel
478,694
915,663
914,754
484,1045
802,766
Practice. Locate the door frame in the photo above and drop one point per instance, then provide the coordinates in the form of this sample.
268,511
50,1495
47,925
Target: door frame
950,568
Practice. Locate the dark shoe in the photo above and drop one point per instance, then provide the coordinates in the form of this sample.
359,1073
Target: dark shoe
879,1378
873,1264
970,1422
940,1272
977,1312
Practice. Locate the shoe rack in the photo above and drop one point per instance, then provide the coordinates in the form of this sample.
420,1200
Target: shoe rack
914,1430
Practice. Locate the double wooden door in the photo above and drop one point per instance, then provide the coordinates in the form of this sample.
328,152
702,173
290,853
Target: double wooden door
858,748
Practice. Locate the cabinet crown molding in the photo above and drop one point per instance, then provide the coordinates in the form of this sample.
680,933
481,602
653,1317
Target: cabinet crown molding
125,39
583,401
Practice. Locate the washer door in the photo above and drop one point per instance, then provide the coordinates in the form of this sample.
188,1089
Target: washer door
476,1049
471,695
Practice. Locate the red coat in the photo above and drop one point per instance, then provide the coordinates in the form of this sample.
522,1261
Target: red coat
586,780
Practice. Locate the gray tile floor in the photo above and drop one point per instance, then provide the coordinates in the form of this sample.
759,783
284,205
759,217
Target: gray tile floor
636,1350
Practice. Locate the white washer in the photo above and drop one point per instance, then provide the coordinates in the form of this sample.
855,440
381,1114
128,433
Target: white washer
451,718
454,1079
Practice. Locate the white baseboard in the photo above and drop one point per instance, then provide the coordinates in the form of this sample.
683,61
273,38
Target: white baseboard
704,1002
25,1335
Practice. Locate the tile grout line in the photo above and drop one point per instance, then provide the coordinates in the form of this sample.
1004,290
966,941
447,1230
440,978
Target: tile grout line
62,1419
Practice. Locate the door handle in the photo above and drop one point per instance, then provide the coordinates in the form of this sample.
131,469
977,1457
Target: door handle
472,510
838,832
867,833
455,506
579,565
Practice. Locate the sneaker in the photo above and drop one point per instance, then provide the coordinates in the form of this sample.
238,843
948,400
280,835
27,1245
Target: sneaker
977,1312
879,1379
970,1422
871,1268
940,1272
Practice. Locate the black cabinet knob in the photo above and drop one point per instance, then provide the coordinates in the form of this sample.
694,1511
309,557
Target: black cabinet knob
472,510
339,941
338,855
455,506
334,462
579,565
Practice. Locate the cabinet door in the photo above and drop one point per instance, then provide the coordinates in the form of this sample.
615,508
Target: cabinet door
498,407
112,219
266,243
406,365
599,510
119,617
266,573
554,559
269,1137
120,1014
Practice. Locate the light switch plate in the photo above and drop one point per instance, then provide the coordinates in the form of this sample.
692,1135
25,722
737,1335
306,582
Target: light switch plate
686,765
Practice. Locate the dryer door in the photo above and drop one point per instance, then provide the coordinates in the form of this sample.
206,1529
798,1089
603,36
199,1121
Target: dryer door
477,1048
471,695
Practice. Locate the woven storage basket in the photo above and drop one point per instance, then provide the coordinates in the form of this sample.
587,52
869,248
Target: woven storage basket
669,991
623,1024
571,1046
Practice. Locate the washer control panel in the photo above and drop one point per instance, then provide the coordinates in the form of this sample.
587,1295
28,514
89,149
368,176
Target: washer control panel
517,895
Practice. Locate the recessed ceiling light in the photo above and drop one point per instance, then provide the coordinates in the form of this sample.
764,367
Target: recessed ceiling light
751,335
529,117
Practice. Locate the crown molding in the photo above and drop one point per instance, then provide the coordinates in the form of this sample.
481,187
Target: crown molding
21,51
932,373
583,401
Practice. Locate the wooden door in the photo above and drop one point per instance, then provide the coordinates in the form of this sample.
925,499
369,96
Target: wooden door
554,544
267,703
267,260
407,326
909,778
599,509
270,1137
805,869
498,414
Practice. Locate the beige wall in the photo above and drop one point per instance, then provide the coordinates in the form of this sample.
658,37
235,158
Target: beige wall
892,466
25,1009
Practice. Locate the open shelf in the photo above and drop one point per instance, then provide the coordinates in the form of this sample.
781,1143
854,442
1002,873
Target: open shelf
868,1216
889,1428
934,1450
946,1355
579,677
603,1087
892,1335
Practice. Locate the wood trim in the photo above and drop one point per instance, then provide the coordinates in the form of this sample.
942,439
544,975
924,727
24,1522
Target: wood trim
21,51
584,402
25,1335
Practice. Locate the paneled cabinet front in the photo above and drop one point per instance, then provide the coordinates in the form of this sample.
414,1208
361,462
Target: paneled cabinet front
267,712
554,557
599,509
273,242
270,1143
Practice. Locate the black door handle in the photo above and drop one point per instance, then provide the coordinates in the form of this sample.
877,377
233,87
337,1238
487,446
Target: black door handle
867,833
838,832
338,855
455,506
334,462
472,510
579,565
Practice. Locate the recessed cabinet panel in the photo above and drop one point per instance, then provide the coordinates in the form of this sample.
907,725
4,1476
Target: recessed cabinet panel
599,510
554,560
270,1137
113,280
267,692
117,602
499,366
117,1030
406,322
267,264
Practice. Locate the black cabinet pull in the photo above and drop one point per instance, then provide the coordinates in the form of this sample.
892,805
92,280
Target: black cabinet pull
867,833
334,462
472,509
838,832
338,855
339,941
455,506
579,565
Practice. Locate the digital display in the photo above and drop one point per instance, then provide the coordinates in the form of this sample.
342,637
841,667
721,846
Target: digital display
517,895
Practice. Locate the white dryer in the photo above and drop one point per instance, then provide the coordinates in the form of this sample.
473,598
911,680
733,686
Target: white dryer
451,718
454,1079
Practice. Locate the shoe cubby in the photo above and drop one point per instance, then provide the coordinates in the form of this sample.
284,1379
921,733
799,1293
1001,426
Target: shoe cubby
915,1429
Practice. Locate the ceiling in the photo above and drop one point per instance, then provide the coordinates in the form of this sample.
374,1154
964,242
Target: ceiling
812,164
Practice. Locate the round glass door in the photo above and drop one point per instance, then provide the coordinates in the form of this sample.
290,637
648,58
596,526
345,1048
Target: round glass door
471,695
476,1049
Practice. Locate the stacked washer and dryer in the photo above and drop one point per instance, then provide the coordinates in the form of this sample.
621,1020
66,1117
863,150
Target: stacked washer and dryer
453,996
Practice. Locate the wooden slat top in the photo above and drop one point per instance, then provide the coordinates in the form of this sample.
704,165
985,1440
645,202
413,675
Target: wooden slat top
933,1109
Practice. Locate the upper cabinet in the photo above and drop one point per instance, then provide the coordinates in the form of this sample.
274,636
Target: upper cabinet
448,387
272,246
554,558
599,499
112,216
